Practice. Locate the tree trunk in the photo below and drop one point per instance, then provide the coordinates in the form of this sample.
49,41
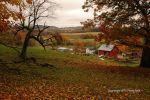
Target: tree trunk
25,45
145,60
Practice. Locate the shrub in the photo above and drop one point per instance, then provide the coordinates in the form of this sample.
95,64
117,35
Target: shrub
87,36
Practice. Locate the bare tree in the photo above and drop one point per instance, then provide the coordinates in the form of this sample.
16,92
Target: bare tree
38,11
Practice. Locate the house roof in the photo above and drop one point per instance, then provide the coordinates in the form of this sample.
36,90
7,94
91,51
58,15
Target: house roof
91,48
105,47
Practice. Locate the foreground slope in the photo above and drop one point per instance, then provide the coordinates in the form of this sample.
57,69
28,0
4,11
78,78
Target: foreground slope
59,76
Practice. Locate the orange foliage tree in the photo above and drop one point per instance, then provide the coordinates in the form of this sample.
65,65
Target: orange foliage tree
27,14
65,39
122,14
79,46
10,12
20,36
7,13
79,43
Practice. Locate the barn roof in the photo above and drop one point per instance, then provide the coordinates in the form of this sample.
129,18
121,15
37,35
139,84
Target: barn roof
105,47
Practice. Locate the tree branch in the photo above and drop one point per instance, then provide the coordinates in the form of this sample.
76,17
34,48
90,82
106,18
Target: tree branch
133,44
40,31
38,40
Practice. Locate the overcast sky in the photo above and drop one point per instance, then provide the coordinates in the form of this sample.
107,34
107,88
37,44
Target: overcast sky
69,14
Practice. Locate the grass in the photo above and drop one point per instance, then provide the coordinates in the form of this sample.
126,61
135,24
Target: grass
74,36
80,33
72,77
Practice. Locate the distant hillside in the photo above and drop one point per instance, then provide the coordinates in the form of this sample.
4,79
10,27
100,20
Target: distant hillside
72,29
63,30
77,29
50,29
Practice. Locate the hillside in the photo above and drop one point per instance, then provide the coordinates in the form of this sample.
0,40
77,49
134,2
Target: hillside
57,76
77,29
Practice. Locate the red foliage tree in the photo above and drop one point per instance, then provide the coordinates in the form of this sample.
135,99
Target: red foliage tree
116,16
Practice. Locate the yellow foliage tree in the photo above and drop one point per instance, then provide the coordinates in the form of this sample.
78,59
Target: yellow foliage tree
122,48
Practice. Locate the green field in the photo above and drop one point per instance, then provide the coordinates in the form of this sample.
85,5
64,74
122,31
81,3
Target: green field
75,36
70,77
80,33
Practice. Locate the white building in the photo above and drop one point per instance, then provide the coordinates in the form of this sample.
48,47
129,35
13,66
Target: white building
90,50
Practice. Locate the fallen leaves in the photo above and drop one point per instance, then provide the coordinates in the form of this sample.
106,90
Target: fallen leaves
41,90
84,81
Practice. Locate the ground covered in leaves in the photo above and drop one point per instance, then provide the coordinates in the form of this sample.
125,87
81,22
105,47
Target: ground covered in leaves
60,76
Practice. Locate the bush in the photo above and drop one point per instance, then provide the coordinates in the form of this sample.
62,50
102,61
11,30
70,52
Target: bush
89,43
79,43
87,36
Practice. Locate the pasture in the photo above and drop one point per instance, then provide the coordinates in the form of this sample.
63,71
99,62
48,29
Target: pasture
80,39
75,36
61,76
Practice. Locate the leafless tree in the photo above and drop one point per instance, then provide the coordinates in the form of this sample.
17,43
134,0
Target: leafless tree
33,14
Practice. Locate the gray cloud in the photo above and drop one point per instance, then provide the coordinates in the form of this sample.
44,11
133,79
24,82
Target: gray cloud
69,13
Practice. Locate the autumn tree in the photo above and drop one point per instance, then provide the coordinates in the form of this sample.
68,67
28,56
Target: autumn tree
58,37
79,46
65,39
36,11
20,37
125,14
7,13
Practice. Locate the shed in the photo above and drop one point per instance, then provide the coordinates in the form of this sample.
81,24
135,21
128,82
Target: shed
108,50
90,50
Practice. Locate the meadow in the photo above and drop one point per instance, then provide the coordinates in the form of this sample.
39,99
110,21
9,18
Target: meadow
84,40
78,36
62,76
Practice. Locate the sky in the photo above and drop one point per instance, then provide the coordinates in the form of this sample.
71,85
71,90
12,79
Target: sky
69,14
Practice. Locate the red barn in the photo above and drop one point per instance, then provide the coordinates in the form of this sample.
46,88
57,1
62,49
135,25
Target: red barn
110,51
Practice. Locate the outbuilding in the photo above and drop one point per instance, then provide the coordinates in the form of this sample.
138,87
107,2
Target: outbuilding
90,50
108,50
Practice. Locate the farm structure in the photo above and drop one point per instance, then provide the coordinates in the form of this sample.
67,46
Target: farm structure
110,51
90,50
64,49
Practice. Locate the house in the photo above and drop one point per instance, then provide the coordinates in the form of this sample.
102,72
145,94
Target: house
90,50
109,51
